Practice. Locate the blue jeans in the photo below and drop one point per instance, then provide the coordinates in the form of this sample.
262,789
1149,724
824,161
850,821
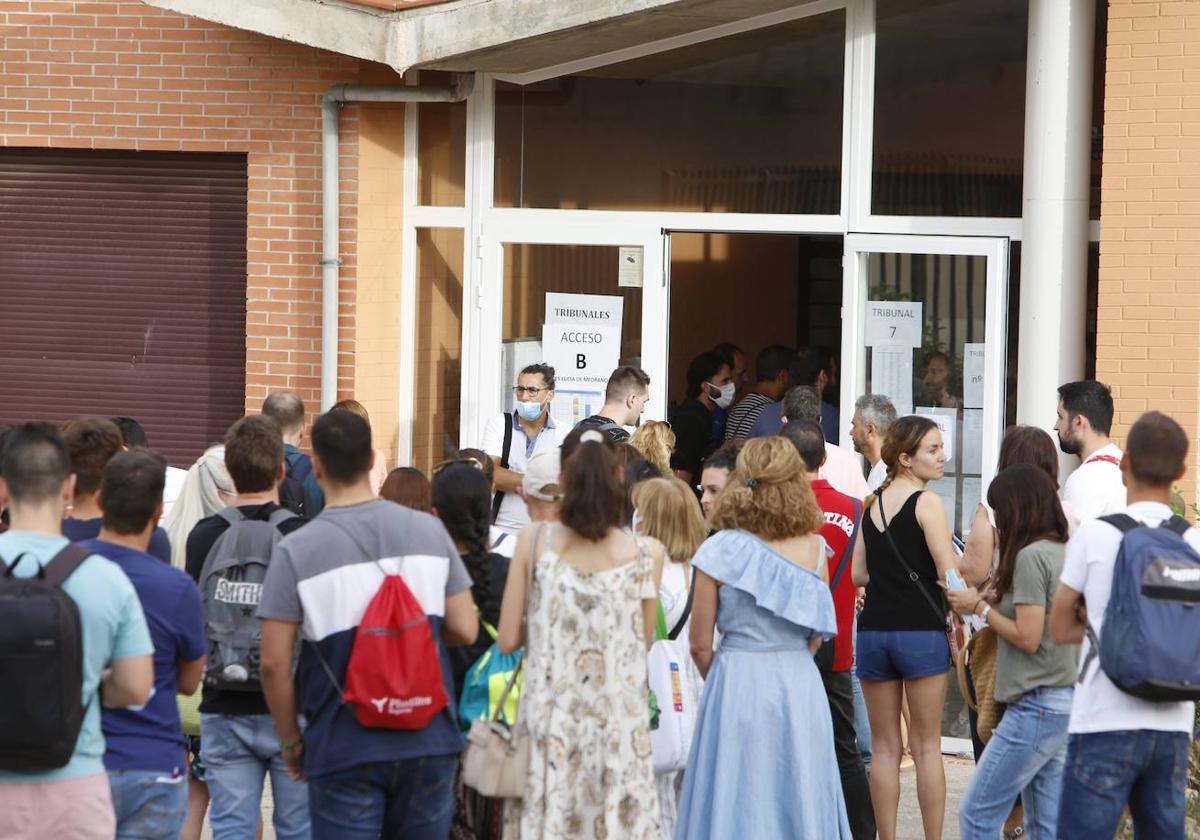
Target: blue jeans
238,751
1026,755
411,799
149,804
1105,770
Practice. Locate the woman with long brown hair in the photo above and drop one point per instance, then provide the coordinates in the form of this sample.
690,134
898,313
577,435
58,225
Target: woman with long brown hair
904,552
1034,678
762,762
586,620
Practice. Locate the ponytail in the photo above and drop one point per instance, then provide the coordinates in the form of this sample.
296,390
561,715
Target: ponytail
593,497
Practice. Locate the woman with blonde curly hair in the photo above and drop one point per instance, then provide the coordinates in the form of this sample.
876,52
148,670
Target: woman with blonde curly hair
666,509
764,722
656,441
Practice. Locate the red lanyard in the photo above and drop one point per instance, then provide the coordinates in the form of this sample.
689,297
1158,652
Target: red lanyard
1107,459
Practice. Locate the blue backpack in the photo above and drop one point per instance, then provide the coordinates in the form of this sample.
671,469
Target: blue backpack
1151,644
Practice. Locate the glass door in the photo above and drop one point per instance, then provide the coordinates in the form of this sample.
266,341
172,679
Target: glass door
926,325
583,297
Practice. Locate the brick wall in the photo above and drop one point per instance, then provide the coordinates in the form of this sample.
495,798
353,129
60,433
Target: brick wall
1148,344
124,75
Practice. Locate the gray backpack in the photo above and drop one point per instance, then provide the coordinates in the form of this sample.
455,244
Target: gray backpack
231,585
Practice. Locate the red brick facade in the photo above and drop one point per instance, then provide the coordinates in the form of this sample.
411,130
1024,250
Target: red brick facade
124,75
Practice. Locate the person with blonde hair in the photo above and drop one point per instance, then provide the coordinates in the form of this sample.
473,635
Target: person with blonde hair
379,468
762,581
655,440
207,490
666,509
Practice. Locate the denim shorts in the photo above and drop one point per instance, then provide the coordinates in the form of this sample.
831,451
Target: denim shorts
902,654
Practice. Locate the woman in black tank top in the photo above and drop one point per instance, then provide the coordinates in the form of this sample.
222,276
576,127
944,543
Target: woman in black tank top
902,649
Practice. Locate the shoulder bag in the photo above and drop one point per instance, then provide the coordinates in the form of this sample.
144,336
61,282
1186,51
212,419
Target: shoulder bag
496,762
944,614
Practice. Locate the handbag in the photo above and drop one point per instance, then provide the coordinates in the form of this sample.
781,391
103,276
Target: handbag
977,663
674,683
944,613
496,762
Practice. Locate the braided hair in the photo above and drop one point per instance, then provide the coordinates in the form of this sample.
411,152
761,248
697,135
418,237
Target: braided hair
461,495
903,438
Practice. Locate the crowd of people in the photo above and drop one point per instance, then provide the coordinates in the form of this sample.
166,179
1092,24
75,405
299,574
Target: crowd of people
345,631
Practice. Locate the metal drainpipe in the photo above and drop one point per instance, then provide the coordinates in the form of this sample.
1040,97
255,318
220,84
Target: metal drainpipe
331,106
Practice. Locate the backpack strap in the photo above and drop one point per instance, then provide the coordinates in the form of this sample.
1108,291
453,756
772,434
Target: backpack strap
281,515
844,563
231,515
687,610
63,564
1177,524
498,497
1123,522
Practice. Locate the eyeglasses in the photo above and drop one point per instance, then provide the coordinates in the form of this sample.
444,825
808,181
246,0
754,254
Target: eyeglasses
437,468
533,391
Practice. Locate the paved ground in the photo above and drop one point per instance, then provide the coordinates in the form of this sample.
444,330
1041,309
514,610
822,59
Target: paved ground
958,773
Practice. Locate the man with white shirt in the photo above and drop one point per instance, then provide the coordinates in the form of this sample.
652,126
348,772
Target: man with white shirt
874,414
510,440
841,469
1122,749
1085,413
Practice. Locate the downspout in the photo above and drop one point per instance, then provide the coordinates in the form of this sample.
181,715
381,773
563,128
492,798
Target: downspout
331,261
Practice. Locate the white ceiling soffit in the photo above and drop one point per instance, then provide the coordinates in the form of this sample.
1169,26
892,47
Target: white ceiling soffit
500,36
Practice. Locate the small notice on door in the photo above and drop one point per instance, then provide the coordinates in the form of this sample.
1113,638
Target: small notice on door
895,322
629,271
973,368
892,375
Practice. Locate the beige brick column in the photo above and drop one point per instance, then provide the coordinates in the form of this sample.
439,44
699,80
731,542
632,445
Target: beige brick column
1148,344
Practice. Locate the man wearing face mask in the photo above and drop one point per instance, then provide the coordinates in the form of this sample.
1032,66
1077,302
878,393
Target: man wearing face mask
709,386
511,440
625,399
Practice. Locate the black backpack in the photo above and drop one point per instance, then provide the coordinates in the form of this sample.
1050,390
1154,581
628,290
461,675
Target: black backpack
291,490
41,665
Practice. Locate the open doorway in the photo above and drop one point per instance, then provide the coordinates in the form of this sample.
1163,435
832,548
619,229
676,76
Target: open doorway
752,290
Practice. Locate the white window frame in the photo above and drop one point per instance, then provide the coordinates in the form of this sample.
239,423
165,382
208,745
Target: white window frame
480,216
859,247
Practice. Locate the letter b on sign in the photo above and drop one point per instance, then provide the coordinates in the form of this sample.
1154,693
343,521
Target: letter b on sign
580,361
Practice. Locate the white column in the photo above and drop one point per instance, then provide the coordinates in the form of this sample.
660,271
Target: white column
1054,222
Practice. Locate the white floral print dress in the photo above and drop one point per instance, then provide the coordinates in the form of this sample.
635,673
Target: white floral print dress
584,705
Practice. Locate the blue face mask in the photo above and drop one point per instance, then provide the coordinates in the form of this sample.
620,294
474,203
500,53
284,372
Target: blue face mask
530,411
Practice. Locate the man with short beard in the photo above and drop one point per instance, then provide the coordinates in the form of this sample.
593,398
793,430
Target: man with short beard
1085,413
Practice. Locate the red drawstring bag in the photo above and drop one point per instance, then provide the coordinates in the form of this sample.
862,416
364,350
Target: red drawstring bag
394,679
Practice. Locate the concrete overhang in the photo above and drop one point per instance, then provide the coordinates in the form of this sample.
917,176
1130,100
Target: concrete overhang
507,37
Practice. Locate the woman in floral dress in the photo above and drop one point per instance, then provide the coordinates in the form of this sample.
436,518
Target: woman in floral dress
586,623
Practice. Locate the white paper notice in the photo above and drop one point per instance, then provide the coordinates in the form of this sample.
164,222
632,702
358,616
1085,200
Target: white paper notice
596,310
892,375
629,270
973,375
945,487
893,322
581,339
947,421
972,440
972,489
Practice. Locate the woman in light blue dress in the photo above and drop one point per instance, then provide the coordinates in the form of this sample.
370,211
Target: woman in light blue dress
762,765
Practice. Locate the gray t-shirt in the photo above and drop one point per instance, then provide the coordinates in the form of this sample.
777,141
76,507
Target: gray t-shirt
323,577
1035,578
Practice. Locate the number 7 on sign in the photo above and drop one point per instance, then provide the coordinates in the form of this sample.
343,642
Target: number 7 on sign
893,329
